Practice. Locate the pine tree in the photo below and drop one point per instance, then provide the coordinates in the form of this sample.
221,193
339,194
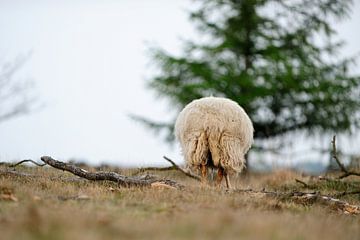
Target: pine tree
278,59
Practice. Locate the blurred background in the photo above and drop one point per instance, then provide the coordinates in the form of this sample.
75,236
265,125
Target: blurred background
103,81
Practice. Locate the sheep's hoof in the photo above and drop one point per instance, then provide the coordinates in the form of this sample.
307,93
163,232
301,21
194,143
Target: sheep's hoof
229,191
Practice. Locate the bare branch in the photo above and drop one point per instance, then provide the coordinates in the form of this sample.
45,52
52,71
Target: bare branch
15,93
27,160
187,173
334,154
141,170
346,172
173,167
303,183
349,173
110,176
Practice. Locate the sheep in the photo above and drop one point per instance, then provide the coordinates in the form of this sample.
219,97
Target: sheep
214,132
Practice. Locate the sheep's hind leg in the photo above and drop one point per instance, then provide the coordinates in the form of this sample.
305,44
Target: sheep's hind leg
227,179
203,173
220,175
200,155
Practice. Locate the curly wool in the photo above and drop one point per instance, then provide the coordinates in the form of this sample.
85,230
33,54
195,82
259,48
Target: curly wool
217,129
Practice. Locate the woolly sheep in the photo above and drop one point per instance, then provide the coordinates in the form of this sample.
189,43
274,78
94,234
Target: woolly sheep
214,132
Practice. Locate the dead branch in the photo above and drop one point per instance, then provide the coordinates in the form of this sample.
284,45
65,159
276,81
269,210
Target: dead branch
308,197
339,204
303,183
346,172
187,173
334,154
15,94
109,176
173,167
250,190
141,170
27,160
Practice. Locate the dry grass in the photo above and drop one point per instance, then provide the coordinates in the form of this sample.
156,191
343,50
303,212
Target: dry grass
54,206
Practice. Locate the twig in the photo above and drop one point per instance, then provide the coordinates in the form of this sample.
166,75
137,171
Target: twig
109,176
250,190
141,170
187,173
346,172
334,154
303,183
27,160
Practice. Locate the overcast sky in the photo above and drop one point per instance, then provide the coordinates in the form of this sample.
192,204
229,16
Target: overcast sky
89,64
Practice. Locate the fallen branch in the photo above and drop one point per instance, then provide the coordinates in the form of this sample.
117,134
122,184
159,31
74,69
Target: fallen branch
306,197
250,190
339,204
27,160
346,172
141,170
110,176
303,183
187,173
173,167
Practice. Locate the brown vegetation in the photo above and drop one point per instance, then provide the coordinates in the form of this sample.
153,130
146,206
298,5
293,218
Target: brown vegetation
46,203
